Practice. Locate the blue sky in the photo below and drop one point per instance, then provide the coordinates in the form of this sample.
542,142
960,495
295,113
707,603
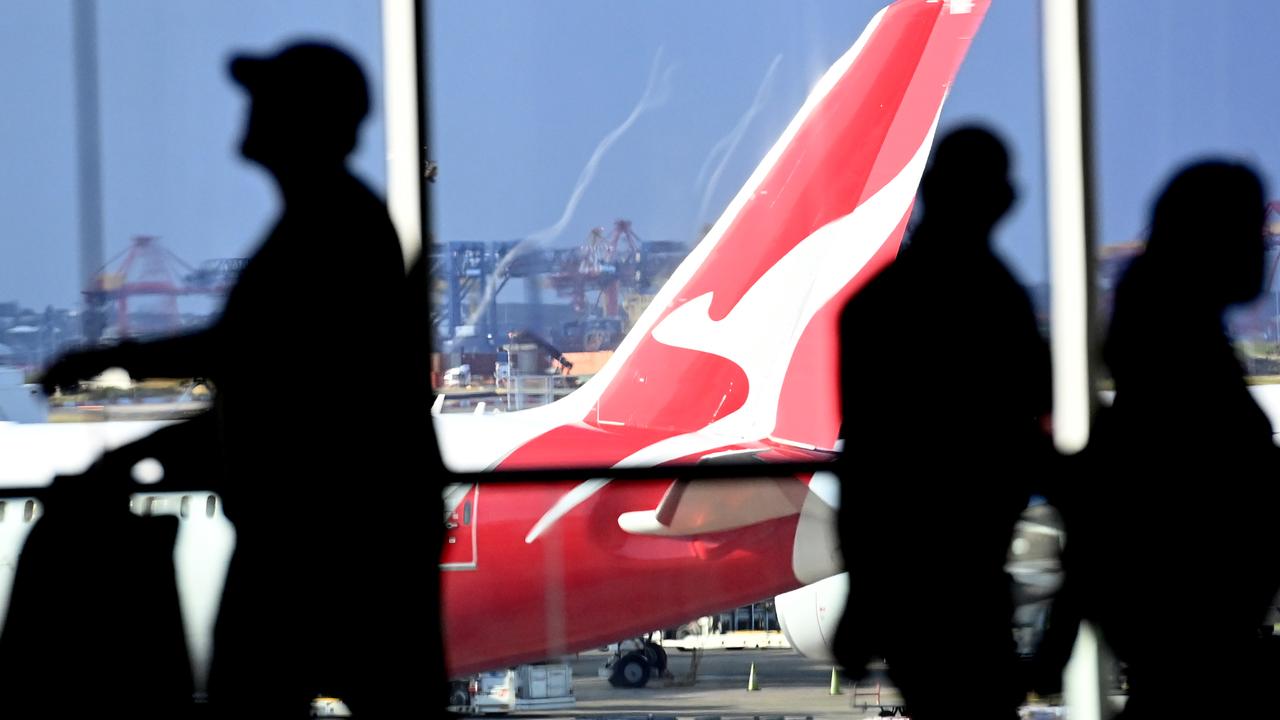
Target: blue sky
1177,81
523,92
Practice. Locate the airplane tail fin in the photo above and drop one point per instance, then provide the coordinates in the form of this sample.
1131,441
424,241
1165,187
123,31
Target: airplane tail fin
742,339
741,342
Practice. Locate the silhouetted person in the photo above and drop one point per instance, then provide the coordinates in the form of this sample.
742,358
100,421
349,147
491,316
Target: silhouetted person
1176,548
320,416
945,386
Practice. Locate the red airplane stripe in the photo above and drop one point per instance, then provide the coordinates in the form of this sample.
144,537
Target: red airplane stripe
938,63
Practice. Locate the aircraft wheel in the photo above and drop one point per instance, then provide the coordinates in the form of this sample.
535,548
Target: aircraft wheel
631,670
657,657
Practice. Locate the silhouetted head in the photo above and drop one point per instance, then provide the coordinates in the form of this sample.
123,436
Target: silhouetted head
1207,233
307,102
966,189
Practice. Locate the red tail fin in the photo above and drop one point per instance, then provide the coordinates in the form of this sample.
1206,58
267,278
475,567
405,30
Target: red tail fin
741,342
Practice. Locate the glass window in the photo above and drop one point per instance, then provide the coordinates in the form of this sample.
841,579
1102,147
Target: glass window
1197,90
1175,83
122,123
580,166
160,119
585,149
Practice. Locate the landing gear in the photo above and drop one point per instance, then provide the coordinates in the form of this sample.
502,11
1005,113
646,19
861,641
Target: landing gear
635,662
657,657
630,670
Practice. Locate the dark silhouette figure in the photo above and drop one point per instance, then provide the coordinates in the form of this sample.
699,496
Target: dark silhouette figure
1170,541
945,387
320,427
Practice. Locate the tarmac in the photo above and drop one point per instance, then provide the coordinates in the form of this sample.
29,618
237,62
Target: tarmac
790,686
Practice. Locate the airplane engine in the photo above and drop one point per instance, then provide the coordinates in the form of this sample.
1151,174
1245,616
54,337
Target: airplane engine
809,615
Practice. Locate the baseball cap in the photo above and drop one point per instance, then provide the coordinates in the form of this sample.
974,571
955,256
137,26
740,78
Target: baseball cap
308,77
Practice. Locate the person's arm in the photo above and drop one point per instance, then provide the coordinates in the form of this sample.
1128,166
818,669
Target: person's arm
190,355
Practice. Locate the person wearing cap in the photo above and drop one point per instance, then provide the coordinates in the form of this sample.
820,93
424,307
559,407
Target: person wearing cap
306,358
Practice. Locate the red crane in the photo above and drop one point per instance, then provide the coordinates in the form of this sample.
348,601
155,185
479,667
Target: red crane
603,263
145,271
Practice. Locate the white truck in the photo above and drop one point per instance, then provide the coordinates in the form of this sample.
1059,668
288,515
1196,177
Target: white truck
541,686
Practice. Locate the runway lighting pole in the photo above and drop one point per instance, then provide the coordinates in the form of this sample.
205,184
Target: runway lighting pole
88,160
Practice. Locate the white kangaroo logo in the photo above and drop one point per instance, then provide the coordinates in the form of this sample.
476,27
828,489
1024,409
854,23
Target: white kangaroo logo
825,261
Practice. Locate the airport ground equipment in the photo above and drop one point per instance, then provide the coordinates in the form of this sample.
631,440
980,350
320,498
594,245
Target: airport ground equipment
524,688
